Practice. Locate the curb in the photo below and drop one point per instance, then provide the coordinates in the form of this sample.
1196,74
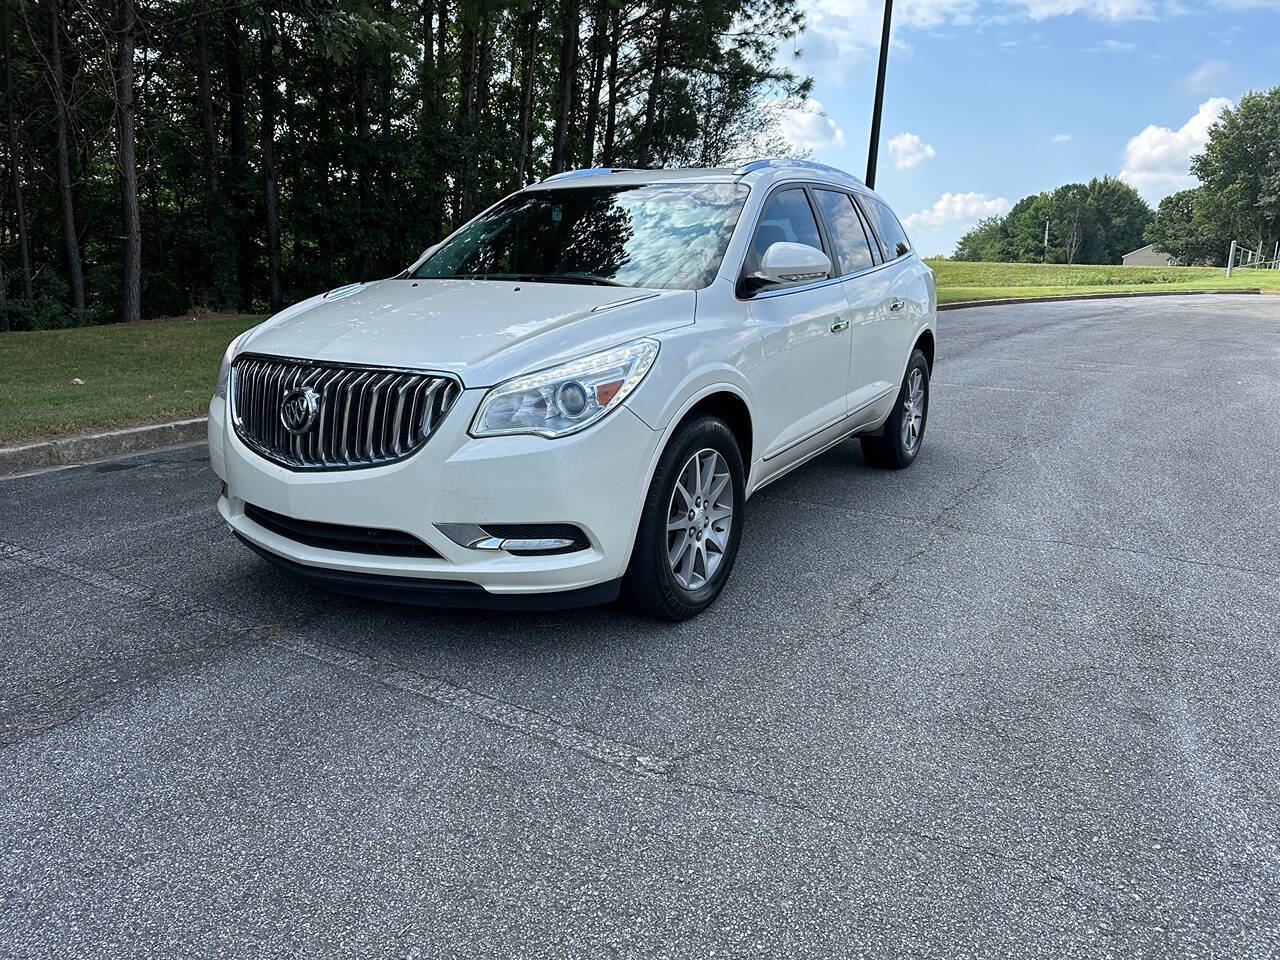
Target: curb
1125,295
68,451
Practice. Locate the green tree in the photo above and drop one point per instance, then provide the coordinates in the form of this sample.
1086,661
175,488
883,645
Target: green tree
1024,229
1240,171
1179,229
1121,218
1075,226
983,243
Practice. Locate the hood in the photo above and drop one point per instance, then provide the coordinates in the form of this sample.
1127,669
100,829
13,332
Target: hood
485,331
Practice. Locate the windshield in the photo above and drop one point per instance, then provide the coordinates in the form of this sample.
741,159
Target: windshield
668,236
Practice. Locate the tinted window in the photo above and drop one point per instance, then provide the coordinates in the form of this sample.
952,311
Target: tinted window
853,252
892,237
787,218
659,235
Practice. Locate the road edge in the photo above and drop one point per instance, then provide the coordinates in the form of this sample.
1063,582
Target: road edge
86,447
1121,295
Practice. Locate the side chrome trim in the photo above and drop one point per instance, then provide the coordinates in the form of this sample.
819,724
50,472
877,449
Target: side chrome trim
812,184
827,426
803,460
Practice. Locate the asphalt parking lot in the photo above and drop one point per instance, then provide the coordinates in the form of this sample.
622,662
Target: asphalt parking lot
1020,700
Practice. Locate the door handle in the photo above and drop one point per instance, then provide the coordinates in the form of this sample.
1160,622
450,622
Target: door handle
841,324
897,304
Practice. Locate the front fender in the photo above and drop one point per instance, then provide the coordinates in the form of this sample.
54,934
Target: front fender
685,394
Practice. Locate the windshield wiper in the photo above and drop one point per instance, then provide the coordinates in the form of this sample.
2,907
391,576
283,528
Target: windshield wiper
570,278
583,278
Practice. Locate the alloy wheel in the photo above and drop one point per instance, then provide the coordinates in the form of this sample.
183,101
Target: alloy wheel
699,519
913,408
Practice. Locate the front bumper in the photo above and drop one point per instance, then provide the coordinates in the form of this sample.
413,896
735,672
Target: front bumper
596,479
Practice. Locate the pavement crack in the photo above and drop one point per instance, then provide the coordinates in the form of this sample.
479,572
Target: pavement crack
937,527
1115,548
495,710
71,697
939,520
769,496
74,695
865,830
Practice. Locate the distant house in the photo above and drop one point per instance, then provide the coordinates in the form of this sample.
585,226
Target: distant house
1147,257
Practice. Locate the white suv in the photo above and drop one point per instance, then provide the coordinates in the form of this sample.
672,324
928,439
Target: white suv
575,394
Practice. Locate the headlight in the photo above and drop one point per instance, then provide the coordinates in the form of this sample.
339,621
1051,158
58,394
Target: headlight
562,400
224,371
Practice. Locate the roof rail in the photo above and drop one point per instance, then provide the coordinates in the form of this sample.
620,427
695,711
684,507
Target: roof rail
585,172
774,163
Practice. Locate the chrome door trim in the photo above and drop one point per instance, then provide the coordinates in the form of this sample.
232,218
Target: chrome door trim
817,185
827,426
837,439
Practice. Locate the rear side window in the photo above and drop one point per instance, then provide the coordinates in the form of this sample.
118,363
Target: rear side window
787,218
893,239
853,251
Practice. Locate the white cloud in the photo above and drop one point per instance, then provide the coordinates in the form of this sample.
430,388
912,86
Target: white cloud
1100,9
844,34
841,37
1111,46
1207,76
1061,138
1157,160
808,128
906,13
908,151
957,208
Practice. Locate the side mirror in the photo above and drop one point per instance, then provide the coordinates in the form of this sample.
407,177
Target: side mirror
784,264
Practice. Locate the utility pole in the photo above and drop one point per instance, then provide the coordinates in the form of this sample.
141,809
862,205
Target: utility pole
874,150
1046,241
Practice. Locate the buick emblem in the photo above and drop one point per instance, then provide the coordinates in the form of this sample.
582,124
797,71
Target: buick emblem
299,409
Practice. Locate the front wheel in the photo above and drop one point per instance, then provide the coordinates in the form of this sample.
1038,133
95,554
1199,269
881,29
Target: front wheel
903,433
691,524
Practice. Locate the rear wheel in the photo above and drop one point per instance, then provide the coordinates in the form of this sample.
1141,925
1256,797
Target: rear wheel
903,433
691,524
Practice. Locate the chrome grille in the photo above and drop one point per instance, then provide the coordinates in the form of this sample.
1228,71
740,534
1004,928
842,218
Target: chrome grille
366,417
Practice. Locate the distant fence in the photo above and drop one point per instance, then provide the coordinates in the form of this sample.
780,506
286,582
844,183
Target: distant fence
1245,258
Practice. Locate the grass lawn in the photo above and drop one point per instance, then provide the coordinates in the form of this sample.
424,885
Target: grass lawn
958,281
132,373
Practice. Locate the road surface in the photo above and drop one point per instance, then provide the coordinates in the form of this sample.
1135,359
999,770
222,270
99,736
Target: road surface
1020,700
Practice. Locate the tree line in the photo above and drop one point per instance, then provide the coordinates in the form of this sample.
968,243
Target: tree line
165,154
1099,222
1095,222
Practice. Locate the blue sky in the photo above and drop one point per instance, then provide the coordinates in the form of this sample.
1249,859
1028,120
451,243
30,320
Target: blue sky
990,100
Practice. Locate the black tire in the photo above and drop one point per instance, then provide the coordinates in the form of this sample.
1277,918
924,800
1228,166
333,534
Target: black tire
650,586
890,449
